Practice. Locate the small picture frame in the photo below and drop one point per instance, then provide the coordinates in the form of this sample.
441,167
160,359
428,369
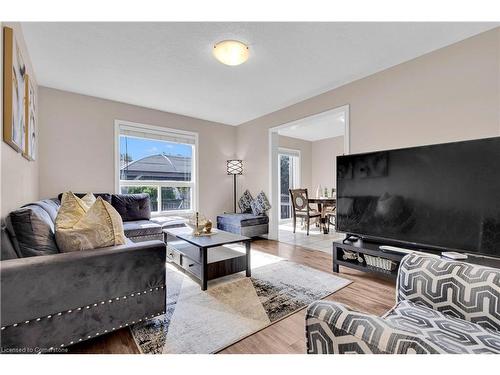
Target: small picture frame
30,132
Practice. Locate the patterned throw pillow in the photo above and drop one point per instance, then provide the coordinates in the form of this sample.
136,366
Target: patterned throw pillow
72,209
83,227
245,202
260,204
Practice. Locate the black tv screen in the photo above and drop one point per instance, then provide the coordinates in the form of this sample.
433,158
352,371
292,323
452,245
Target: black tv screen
444,196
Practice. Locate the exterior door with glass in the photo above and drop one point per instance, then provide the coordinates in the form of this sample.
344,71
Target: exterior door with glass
289,178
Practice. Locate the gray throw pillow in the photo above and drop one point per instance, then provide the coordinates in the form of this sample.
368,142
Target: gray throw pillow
245,202
132,207
260,205
105,196
7,250
34,231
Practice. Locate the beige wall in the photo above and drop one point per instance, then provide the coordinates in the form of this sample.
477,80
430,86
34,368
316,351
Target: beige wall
324,165
77,146
305,157
19,176
447,95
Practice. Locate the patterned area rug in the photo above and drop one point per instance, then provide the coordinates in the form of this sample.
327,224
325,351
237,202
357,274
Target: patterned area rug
233,307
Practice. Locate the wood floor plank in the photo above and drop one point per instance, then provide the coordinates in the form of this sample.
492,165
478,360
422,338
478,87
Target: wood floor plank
367,293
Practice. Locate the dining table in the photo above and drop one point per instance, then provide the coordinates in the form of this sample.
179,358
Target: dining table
323,203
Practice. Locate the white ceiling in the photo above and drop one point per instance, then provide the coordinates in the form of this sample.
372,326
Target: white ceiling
170,67
314,128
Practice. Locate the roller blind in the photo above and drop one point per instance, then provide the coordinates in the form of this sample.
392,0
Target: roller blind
288,152
159,135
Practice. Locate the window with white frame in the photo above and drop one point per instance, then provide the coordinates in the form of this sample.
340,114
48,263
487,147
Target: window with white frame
160,162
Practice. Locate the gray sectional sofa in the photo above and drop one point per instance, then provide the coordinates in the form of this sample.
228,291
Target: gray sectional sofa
51,300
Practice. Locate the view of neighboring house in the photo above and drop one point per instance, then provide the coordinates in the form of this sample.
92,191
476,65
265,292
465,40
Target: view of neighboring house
160,167
157,167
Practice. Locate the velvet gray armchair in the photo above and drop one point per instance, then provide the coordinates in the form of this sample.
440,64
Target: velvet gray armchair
442,306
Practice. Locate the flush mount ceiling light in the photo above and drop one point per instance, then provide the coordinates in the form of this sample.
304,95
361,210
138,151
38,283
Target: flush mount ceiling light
231,52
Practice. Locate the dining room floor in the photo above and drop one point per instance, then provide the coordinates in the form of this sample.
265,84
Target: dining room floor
316,240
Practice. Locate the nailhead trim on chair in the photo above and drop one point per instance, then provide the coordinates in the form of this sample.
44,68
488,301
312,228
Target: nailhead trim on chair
88,307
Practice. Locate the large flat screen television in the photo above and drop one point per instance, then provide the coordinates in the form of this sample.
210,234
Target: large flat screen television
441,197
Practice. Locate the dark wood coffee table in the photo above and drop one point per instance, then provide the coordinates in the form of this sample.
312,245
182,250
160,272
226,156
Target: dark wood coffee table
205,257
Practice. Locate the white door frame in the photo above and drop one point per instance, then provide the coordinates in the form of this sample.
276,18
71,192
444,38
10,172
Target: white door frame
274,193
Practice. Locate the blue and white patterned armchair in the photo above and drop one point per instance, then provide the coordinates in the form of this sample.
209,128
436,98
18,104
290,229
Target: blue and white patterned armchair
442,307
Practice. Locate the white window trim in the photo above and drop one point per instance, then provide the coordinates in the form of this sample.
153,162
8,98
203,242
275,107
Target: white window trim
194,184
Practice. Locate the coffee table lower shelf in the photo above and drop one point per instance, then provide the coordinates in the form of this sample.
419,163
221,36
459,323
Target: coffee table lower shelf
221,261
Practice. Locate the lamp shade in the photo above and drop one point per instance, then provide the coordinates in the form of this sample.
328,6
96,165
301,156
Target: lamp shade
235,167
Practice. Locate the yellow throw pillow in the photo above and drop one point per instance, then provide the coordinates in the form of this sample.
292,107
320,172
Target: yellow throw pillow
72,209
88,200
100,226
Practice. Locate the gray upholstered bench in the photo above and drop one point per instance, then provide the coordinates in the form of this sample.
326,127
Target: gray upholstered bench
246,224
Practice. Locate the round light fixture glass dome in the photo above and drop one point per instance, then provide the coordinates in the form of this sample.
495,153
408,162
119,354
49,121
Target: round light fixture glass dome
231,52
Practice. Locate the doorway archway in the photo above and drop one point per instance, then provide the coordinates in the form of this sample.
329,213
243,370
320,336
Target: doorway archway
274,134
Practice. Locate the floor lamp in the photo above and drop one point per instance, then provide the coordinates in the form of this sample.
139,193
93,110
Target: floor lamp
234,168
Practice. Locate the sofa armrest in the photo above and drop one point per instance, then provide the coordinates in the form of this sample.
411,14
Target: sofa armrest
36,287
333,328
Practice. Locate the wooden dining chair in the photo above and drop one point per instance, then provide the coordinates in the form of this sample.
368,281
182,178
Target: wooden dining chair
330,217
301,208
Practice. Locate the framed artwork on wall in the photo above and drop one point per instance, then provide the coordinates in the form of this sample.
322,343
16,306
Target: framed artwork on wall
30,115
14,93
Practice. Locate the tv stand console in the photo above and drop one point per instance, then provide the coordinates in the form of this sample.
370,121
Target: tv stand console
362,247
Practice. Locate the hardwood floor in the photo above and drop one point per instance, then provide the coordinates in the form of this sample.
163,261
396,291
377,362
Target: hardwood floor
367,293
